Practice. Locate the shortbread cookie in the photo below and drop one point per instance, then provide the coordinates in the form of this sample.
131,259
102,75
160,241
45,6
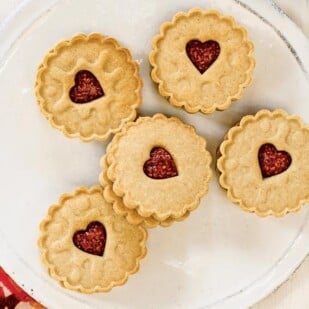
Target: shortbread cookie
131,214
154,172
86,246
264,163
88,87
202,60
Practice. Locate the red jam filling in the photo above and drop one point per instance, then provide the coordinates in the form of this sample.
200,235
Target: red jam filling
92,240
160,165
86,89
203,54
273,162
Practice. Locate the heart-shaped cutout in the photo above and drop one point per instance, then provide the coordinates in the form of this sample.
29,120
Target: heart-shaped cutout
92,240
161,164
203,54
86,89
272,161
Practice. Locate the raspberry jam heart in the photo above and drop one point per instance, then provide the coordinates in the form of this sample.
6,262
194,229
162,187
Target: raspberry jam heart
86,89
272,161
160,165
203,55
92,240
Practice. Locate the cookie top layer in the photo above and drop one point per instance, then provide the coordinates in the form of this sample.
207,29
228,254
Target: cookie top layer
202,60
264,163
88,86
160,194
86,246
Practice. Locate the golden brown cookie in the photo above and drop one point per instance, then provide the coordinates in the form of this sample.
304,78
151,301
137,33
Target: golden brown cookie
88,86
264,163
131,214
86,246
155,173
202,60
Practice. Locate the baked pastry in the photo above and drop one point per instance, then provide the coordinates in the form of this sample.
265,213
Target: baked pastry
88,87
156,174
202,60
264,163
131,214
86,246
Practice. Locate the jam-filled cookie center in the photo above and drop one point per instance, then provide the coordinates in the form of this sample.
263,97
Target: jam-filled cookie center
92,240
203,54
272,161
161,164
86,89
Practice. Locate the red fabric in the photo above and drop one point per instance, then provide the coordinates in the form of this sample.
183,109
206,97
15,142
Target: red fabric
11,294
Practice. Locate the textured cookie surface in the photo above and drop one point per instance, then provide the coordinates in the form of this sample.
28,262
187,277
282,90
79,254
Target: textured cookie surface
173,196
264,163
86,246
88,86
202,60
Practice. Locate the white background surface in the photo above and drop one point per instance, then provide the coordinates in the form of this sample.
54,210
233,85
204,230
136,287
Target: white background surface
294,293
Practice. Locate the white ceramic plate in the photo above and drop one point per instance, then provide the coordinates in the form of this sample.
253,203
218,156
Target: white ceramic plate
219,257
